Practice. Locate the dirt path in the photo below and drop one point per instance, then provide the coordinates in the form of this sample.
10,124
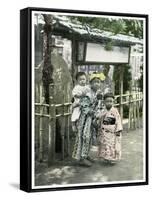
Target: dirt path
129,168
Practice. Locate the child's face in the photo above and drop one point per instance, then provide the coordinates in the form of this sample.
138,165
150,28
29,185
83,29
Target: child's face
109,102
96,84
82,80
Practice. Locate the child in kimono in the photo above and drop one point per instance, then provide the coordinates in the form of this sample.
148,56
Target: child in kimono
88,105
79,91
109,132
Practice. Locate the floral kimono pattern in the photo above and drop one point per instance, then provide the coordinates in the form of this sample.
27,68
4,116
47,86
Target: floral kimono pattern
109,135
86,131
78,91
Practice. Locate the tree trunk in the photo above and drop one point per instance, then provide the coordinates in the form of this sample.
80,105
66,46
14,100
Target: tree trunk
47,72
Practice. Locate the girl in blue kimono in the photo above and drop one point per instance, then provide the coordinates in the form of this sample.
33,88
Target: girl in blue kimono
89,106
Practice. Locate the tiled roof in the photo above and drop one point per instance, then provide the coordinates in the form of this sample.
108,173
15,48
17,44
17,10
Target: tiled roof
87,32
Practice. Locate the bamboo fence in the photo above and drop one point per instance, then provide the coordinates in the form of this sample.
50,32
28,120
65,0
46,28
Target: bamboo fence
133,100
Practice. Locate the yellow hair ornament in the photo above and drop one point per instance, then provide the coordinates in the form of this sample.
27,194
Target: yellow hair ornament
100,76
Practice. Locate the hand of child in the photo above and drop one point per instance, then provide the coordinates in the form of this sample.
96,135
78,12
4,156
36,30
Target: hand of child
74,128
118,133
91,112
98,115
75,104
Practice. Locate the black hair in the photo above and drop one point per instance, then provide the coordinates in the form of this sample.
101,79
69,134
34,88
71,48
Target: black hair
80,74
109,94
94,77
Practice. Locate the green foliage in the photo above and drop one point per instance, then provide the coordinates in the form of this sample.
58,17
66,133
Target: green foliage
125,111
134,27
109,46
126,77
130,27
140,81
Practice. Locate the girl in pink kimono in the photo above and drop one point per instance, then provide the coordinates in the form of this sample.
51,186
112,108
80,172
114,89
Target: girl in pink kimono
109,133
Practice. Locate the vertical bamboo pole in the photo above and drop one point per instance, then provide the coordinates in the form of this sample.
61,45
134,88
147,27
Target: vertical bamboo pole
129,117
134,111
130,105
138,117
63,128
41,127
63,137
68,132
121,91
54,128
51,139
142,102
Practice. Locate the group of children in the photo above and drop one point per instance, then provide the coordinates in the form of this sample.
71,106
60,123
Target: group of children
94,119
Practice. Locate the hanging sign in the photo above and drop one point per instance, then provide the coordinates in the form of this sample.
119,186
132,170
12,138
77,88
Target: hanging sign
98,53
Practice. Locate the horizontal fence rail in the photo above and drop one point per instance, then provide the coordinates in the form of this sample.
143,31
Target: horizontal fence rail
131,102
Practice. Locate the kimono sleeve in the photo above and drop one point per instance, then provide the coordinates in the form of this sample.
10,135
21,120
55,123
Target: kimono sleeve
100,115
77,92
118,122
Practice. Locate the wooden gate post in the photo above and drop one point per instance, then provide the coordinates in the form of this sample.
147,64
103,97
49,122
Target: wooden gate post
52,126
